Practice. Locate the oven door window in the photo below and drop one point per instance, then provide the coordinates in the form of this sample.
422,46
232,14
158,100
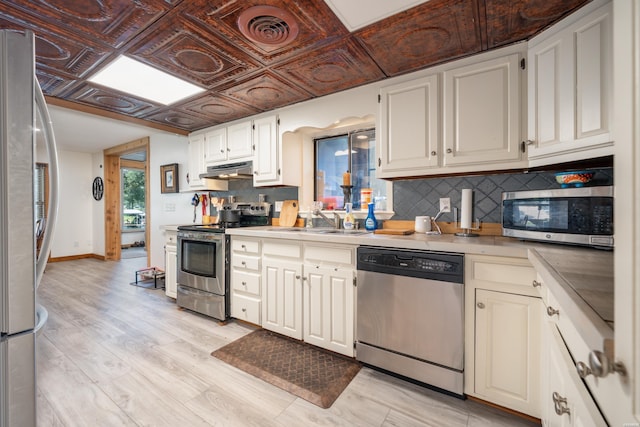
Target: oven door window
199,258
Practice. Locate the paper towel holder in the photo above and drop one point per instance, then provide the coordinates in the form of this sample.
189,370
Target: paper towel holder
466,232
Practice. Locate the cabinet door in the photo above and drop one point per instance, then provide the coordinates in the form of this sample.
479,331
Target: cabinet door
171,271
215,150
196,161
265,163
507,350
282,297
482,112
240,141
570,83
328,308
409,127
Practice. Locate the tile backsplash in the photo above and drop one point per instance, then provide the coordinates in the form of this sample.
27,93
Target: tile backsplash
244,191
422,196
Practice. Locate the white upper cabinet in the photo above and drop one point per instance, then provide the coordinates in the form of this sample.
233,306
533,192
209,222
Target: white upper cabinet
240,141
215,146
409,124
464,117
482,112
569,86
266,168
196,161
228,144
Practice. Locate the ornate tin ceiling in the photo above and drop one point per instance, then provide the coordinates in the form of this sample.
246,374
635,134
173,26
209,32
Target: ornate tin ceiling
254,55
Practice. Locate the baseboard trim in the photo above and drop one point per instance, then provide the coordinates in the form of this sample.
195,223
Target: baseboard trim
75,257
502,408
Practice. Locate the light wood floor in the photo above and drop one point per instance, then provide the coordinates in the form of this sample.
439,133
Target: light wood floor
113,354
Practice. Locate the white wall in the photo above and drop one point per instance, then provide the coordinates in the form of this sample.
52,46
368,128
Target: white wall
97,160
171,208
75,225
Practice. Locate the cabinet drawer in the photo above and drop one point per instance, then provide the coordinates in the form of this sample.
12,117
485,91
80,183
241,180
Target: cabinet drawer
501,273
329,254
281,249
245,282
245,246
245,308
244,261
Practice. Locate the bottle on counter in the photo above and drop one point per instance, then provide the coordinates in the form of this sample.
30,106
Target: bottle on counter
349,220
371,223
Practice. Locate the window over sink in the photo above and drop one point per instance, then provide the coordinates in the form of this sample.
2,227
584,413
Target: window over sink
353,152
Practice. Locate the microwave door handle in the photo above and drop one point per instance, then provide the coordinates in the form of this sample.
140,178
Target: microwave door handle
52,211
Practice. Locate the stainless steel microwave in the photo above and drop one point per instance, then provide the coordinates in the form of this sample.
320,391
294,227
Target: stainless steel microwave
578,216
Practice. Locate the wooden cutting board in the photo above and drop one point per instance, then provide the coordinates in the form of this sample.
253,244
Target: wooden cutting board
289,213
397,231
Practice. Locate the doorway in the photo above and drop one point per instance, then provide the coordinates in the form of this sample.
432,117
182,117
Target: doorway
133,204
115,159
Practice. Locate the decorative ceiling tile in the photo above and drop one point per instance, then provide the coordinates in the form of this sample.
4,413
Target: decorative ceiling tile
332,68
185,50
433,32
266,92
178,119
218,109
509,21
314,22
112,22
110,100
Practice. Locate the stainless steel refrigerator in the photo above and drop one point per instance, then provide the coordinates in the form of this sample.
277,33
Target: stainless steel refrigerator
23,115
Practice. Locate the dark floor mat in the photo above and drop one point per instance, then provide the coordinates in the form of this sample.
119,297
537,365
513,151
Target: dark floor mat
309,372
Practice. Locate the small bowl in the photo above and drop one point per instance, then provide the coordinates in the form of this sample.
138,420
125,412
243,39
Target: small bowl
575,179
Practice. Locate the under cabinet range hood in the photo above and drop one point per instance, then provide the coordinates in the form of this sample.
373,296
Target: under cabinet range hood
240,170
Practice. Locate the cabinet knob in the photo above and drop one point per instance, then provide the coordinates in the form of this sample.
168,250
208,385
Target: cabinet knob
244,264
583,370
228,149
552,311
244,284
480,305
243,247
297,277
536,284
221,150
600,365
255,172
560,404
433,153
449,151
244,310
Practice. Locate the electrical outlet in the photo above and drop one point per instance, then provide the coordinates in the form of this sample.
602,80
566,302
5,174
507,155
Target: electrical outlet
278,206
445,204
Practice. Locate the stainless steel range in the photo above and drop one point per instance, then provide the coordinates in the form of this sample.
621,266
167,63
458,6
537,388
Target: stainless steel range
203,259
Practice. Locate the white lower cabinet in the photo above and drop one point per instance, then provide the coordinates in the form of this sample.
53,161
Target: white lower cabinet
328,301
246,280
565,399
308,293
502,333
171,265
507,345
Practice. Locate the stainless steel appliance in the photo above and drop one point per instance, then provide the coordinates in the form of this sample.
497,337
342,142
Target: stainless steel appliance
578,216
203,260
22,108
410,314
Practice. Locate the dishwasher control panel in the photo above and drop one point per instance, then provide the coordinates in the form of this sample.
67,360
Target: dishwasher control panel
444,266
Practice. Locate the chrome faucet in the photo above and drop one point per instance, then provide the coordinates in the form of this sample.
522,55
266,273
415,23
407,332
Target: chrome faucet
335,222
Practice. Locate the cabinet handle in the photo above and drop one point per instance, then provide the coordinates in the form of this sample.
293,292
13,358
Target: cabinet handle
244,284
536,284
449,151
551,311
560,404
244,264
480,305
298,277
221,150
228,149
243,247
433,153
379,162
583,370
244,310
255,172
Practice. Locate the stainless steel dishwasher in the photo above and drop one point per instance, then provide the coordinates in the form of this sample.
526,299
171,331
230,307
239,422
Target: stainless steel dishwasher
410,314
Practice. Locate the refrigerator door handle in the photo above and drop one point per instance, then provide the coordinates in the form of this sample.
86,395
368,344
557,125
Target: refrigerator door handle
52,211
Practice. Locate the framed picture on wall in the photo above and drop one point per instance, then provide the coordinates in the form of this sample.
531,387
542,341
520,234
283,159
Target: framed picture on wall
169,178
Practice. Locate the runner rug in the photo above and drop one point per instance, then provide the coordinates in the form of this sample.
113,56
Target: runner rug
309,372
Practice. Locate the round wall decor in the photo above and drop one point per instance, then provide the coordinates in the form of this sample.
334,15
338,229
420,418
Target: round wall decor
98,188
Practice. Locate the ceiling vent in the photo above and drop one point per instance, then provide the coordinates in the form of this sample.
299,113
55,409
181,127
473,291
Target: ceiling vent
268,26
